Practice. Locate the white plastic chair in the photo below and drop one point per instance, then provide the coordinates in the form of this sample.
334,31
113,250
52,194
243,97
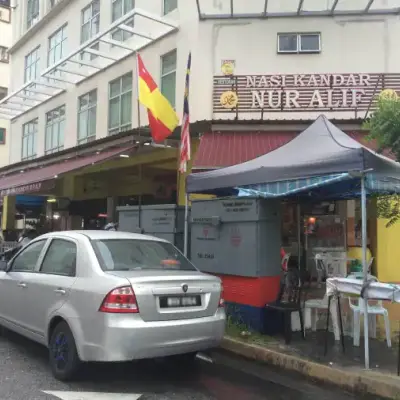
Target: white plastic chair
320,267
316,305
376,309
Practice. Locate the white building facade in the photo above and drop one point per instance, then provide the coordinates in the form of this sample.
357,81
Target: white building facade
275,60
5,44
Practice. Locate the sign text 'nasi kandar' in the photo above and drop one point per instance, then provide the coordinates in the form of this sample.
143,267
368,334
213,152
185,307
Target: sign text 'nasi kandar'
301,92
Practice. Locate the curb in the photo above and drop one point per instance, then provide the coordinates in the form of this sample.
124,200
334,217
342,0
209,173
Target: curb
361,383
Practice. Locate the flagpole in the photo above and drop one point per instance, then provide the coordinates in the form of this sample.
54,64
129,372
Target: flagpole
139,134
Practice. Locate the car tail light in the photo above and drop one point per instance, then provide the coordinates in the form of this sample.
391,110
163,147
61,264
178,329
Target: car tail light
221,298
120,300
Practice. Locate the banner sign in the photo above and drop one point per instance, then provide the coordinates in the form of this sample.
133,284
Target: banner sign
302,92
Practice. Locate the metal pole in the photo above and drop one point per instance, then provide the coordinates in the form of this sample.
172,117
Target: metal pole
298,235
139,134
186,231
365,266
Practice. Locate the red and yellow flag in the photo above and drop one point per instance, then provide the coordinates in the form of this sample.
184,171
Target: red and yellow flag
162,116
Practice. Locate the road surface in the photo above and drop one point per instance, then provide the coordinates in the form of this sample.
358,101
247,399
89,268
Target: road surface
24,375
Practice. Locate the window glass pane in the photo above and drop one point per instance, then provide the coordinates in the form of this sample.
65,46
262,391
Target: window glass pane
93,97
82,124
95,25
83,102
114,112
54,140
309,42
139,255
170,5
116,10
86,14
60,258
85,32
168,83
92,121
288,42
118,35
168,63
126,108
126,83
95,7
48,137
128,5
24,147
61,134
115,88
27,260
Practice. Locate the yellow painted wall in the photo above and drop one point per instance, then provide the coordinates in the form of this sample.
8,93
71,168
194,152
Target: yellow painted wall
388,252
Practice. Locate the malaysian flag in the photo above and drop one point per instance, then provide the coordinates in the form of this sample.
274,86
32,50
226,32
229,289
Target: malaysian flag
184,156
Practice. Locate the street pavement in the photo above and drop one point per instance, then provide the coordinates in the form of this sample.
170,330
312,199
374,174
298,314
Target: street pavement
24,375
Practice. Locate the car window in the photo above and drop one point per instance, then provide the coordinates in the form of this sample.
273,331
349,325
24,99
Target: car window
129,254
27,259
60,258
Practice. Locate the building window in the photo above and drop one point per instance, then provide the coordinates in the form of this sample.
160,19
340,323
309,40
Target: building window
3,92
32,13
120,8
57,46
2,135
55,127
31,69
87,111
57,49
169,5
29,131
32,65
299,42
4,56
90,26
120,104
168,76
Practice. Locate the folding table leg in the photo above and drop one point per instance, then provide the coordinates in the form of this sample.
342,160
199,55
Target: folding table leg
327,325
340,323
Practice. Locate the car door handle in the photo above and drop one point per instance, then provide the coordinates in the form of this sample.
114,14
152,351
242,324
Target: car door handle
22,285
60,291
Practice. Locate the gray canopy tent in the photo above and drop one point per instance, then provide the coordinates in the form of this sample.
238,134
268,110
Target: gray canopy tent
320,158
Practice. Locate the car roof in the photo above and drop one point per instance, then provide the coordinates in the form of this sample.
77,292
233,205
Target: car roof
102,235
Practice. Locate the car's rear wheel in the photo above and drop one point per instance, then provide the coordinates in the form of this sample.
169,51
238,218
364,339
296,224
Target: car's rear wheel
64,359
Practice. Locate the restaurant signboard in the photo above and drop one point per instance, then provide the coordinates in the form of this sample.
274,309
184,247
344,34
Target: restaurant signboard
302,92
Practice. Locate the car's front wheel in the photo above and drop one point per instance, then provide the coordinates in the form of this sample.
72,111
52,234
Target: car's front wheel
63,356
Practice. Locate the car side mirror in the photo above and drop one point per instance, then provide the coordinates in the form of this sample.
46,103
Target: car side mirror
3,265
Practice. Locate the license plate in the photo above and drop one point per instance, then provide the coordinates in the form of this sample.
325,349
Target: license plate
182,301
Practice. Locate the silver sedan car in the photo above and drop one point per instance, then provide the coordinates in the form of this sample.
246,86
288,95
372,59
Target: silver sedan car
109,296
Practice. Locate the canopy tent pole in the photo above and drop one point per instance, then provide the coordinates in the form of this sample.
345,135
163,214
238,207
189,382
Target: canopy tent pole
298,235
365,266
186,230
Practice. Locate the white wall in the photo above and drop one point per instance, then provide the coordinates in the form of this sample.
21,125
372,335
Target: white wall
349,44
6,41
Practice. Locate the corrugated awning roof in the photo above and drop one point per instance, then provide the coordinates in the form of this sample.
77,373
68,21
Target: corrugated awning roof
239,9
102,50
223,149
36,180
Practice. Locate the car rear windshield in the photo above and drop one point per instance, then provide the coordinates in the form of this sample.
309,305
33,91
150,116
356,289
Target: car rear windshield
130,255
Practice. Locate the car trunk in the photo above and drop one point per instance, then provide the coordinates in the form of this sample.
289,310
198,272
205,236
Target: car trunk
172,295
